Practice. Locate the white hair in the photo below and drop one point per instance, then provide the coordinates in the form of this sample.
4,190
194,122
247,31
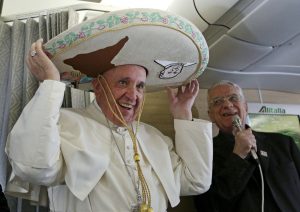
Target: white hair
224,82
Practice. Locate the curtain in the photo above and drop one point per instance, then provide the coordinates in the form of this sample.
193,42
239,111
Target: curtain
1,6
17,85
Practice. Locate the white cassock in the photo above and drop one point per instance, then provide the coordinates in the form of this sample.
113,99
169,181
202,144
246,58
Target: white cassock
82,160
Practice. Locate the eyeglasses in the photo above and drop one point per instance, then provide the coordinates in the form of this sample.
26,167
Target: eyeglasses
220,100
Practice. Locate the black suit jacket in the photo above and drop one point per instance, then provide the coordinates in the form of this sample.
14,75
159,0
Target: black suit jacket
236,184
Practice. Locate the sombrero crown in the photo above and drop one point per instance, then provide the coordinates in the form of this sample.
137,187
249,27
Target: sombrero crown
170,47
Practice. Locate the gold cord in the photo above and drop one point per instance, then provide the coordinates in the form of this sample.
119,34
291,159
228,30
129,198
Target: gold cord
146,195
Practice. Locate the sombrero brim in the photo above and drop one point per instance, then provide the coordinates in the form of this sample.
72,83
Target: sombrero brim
170,47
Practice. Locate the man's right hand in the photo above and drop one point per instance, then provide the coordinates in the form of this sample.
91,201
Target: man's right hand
244,142
39,63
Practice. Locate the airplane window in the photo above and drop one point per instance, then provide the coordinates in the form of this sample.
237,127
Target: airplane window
285,124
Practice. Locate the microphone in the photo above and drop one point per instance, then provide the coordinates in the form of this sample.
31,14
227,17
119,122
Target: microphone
236,123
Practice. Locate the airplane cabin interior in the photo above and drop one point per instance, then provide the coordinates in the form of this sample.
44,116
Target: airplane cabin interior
253,43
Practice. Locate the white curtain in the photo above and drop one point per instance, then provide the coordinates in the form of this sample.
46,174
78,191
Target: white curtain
17,85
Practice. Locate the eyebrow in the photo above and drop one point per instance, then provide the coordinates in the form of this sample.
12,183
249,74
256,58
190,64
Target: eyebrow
216,97
128,78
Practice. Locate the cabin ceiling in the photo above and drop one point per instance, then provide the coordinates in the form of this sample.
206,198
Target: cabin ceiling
255,43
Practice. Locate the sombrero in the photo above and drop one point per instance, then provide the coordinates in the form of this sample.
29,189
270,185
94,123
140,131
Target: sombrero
170,47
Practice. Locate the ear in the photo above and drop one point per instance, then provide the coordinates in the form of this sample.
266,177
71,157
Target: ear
246,106
211,116
96,85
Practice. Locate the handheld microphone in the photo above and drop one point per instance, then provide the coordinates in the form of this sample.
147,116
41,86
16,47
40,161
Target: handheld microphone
236,122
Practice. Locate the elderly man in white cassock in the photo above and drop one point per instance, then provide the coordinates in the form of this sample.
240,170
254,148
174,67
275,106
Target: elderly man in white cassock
102,158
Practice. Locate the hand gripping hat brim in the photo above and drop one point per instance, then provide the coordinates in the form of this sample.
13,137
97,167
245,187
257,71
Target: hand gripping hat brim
170,47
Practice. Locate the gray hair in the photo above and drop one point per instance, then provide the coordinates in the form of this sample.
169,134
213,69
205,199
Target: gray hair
224,82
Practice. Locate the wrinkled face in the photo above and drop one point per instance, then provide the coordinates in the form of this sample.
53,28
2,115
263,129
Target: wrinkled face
225,101
127,84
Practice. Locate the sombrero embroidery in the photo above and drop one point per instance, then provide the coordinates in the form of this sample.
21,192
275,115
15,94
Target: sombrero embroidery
170,47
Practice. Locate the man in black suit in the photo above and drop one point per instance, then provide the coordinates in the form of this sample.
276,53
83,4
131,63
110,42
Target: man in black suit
237,184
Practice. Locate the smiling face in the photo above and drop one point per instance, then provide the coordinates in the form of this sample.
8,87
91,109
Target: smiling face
225,101
127,84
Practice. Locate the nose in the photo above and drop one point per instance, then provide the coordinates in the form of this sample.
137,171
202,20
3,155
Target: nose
132,92
227,102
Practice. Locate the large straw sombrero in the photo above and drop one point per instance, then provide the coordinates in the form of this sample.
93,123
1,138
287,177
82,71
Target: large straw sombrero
170,47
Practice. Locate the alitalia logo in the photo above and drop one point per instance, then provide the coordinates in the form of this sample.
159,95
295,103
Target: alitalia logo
265,109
